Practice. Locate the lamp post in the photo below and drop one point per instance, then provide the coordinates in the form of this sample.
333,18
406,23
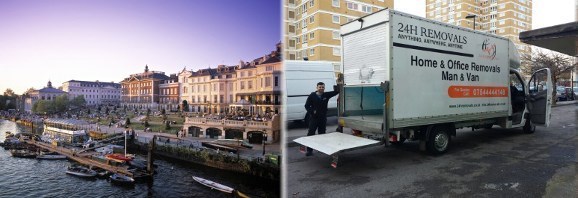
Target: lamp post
474,17
264,139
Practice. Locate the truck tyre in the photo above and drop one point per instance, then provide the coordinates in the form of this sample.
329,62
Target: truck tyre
438,140
529,127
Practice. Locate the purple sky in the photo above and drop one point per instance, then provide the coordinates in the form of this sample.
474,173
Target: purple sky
107,40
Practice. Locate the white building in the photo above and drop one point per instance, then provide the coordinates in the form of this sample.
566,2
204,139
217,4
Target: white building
46,93
95,93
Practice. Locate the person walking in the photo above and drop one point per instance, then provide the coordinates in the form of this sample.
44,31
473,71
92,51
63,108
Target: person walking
316,106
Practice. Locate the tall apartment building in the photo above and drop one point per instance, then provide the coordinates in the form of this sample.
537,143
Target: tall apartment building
505,18
312,26
95,93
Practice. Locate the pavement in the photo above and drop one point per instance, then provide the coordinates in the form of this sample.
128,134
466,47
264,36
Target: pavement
482,163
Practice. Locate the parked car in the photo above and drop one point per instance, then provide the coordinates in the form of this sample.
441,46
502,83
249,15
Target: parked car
561,93
569,94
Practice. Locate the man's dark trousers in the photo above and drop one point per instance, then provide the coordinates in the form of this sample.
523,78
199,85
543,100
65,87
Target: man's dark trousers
319,123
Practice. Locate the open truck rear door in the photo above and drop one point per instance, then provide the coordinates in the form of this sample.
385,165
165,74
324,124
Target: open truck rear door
540,103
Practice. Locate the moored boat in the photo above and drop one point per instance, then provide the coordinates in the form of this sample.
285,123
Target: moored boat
118,178
22,153
81,171
51,156
213,185
117,156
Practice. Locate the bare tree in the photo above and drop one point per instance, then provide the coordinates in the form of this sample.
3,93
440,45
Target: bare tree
9,93
559,64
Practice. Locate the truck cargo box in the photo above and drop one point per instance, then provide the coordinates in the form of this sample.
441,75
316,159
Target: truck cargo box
436,72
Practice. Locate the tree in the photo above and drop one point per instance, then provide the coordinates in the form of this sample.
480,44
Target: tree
61,103
43,106
78,101
185,105
558,64
127,122
9,93
146,123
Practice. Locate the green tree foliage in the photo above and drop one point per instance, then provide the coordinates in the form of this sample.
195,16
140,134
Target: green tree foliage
167,126
185,105
44,106
146,123
78,101
61,103
127,122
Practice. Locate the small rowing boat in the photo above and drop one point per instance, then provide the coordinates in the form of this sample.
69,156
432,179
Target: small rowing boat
81,171
121,179
51,156
213,185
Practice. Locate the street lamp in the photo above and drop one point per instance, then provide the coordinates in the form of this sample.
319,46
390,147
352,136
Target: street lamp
264,139
474,17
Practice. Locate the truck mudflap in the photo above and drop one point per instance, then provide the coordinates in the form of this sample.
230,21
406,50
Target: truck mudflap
335,142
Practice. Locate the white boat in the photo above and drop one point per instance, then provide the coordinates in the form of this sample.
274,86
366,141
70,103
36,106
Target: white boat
51,156
81,171
213,185
121,179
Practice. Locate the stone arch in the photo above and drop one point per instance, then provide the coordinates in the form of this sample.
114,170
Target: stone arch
255,137
213,133
234,134
194,131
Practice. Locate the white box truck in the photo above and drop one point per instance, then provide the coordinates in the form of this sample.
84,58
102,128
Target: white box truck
301,78
410,78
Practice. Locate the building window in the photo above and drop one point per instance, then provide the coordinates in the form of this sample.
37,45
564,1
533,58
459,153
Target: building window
335,3
335,34
366,9
352,6
311,35
276,81
336,51
250,84
242,85
311,3
312,19
269,68
311,52
267,81
335,19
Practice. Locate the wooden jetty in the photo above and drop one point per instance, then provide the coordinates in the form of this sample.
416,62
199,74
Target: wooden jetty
85,158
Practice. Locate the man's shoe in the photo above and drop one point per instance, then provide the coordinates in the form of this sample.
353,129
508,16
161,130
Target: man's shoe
309,154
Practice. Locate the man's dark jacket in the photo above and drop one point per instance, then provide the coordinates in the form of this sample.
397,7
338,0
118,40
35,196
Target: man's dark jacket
316,106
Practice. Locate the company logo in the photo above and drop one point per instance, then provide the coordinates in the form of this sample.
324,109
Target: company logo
489,50
365,74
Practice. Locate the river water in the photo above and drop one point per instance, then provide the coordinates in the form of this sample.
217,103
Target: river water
41,178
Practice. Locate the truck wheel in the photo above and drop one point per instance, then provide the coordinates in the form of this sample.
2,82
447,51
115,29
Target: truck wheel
438,141
529,127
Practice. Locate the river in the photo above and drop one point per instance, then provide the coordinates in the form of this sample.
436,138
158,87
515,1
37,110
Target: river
21,177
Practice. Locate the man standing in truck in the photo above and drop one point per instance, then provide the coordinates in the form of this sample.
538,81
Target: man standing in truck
316,106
